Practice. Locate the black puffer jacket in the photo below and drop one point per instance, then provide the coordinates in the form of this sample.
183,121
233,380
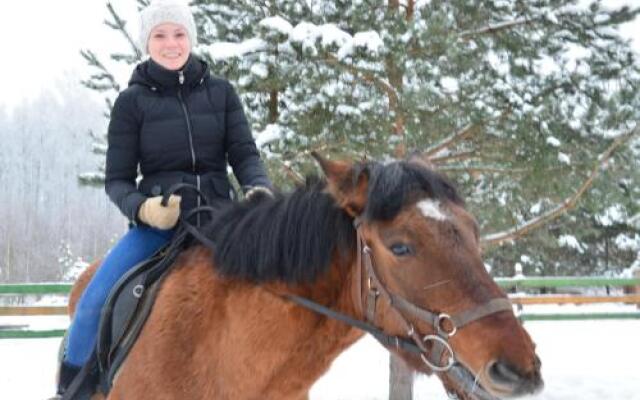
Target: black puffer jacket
178,126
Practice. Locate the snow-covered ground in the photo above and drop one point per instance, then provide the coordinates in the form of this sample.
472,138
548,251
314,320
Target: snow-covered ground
582,360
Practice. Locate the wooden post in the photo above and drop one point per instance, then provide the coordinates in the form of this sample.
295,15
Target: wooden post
636,274
400,379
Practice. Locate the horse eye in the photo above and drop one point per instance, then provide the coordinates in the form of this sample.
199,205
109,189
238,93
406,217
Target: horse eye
400,249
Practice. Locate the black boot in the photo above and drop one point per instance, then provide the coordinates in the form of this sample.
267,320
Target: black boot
65,376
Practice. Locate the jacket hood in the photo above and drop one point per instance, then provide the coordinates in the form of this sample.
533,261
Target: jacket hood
156,77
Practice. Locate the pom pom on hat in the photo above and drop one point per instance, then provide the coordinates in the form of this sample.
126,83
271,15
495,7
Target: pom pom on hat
164,11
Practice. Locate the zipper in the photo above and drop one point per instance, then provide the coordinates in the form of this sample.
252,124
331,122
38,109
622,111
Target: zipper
189,130
190,137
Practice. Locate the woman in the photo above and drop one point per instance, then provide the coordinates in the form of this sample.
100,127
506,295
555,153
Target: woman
176,123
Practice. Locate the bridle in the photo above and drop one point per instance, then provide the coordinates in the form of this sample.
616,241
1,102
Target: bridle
432,347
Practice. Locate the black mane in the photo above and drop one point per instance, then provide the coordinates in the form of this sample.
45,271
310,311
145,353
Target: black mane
293,237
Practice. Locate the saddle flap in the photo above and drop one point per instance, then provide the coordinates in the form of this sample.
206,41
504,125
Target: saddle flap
126,311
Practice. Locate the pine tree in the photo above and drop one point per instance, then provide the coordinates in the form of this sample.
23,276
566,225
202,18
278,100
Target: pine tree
530,106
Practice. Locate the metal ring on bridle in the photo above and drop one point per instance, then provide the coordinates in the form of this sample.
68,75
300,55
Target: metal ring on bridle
444,317
447,346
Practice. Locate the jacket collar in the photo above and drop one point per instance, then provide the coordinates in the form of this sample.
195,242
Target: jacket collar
152,74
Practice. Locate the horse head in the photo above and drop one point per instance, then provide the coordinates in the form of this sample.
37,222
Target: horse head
421,277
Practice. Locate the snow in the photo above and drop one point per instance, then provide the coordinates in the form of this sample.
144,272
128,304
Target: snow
277,24
260,70
369,40
586,360
226,50
564,158
331,35
271,132
625,242
553,141
571,242
615,214
450,84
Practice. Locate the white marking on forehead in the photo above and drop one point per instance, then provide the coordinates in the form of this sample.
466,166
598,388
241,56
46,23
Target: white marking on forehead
431,209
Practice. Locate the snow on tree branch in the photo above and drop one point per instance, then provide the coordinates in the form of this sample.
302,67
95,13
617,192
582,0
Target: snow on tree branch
497,239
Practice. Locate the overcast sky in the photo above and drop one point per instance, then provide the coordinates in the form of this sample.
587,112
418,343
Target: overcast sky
41,40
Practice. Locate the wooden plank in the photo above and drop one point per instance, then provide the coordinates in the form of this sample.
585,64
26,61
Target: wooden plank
400,379
32,310
578,317
35,288
569,299
556,282
13,326
31,334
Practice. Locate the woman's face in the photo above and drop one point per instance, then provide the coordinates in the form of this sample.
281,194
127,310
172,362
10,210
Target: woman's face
169,45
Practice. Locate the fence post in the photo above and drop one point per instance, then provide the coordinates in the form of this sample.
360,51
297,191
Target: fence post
636,288
400,379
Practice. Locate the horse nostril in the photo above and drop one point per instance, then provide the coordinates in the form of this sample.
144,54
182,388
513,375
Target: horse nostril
504,373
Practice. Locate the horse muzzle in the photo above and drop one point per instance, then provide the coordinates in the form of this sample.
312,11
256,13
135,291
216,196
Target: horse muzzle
496,381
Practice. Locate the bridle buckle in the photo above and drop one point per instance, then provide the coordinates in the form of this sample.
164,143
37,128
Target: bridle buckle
440,319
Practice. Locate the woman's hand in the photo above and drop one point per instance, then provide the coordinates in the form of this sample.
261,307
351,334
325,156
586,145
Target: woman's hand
154,214
258,192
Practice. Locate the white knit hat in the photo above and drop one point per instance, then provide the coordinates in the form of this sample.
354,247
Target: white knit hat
163,11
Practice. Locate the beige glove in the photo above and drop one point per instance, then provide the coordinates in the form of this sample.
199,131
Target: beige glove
258,191
156,215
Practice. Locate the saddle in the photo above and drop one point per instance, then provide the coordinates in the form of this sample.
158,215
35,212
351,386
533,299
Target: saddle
128,306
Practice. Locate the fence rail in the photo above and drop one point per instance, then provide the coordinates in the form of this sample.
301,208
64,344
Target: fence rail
563,282
14,331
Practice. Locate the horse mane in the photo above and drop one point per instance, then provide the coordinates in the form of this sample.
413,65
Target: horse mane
294,237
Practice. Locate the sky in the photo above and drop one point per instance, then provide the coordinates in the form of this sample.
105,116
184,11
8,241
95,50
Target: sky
39,47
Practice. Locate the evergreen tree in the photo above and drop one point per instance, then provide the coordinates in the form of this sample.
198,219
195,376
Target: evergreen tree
530,106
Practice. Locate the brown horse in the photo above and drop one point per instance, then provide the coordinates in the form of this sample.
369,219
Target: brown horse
222,327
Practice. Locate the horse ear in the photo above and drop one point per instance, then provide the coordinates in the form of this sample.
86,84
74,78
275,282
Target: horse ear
348,186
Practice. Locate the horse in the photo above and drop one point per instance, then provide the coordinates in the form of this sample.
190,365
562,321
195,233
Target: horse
389,246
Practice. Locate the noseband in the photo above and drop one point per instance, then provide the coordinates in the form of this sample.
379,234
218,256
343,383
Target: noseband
432,346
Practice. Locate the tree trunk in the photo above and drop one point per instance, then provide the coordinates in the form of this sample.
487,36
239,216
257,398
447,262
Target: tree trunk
400,379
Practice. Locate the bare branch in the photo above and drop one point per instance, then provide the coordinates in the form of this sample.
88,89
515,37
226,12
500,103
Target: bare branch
465,155
482,170
365,76
497,239
462,134
495,28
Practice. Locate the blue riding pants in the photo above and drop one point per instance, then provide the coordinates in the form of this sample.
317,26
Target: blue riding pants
138,244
